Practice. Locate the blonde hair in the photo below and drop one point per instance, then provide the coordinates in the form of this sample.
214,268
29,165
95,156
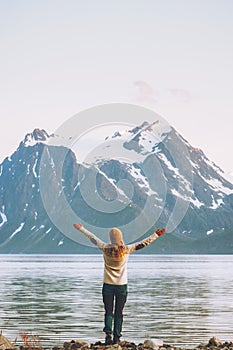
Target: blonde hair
116,236
115,251
116,248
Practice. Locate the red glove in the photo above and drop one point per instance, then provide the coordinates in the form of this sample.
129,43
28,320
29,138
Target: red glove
78,226
160,232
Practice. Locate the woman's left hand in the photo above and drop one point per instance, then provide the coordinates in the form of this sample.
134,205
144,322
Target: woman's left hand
78,226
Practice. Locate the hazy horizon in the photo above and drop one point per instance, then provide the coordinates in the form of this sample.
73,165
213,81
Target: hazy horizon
174,57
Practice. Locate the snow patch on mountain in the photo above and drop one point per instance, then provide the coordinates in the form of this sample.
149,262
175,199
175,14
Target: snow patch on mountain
195,201
17,230
187,186
3,216
141,179
216,168
195,165
34,168
60,242
217,185
143,139
216,203
122,196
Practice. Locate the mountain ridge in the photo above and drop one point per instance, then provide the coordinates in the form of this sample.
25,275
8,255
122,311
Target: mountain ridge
197,183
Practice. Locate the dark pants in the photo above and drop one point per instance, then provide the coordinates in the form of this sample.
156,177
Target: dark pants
118,294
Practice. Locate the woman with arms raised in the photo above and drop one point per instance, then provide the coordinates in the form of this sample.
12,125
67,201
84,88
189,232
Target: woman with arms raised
115,281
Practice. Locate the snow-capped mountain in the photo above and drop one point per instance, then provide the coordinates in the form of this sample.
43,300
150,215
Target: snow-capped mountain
35,137
172,184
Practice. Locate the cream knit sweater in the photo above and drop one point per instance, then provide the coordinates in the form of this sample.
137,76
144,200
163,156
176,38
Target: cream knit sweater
115,268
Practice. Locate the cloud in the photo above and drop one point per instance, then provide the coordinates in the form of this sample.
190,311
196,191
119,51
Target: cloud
145,92
181,94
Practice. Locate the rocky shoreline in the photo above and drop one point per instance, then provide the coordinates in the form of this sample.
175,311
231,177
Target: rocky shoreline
33,343
149,344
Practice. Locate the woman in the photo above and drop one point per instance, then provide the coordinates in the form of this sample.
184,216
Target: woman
115,276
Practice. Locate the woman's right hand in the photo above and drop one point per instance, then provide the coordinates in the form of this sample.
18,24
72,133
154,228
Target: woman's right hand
160,232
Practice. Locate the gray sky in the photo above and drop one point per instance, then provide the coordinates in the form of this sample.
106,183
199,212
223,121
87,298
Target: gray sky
59,57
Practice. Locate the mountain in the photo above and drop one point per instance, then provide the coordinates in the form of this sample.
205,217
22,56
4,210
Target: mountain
162,181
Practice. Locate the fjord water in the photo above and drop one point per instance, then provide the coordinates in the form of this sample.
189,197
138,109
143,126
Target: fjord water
182,299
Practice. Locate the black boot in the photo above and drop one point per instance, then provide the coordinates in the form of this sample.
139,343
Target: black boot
116,340
108,339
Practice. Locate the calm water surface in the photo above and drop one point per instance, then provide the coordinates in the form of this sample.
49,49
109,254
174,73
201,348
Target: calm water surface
183,300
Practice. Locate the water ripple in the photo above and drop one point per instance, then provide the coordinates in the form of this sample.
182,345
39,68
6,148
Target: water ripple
183,300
